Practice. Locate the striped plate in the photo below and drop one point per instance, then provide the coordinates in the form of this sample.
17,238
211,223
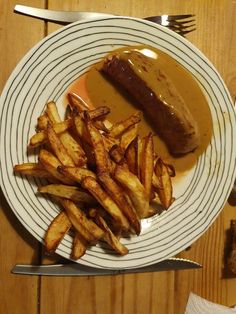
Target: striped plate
46,72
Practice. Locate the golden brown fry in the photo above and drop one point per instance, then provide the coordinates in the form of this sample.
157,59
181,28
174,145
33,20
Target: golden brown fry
77,102
109,141
146,167
51,163
100,152
157,184
33,169
70,192
52,112
56,231
41,137
80,128
38,139
75,173
128,136
131,156
42,122
165,191
120,127
97,115
135,190
73,148
110,238
117,154
141,143
118,195
79,246
91,162
83,225
99,112
105,200
58,148
170,169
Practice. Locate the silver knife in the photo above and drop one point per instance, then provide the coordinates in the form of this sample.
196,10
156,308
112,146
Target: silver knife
74,269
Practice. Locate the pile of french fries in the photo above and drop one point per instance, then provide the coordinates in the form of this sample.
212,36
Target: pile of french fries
104,176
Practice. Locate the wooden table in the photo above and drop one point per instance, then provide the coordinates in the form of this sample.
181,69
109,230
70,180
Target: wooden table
165,292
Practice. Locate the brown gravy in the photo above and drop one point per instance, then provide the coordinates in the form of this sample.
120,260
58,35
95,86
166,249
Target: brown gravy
96,90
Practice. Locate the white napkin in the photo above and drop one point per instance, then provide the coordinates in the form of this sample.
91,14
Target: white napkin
198,305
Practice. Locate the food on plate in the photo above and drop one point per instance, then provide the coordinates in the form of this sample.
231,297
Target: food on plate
56,231
135,189
73,193
158,97
104,179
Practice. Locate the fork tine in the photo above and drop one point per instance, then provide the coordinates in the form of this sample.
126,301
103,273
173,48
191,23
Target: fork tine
183,33
174,22
179,17
176,27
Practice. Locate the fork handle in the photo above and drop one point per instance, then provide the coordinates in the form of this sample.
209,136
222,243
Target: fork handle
60,17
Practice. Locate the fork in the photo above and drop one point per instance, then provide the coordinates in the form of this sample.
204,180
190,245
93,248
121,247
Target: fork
181,24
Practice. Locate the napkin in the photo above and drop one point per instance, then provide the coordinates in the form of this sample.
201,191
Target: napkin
198,305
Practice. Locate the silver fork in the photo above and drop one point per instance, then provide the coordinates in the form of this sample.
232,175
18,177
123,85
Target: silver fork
181,24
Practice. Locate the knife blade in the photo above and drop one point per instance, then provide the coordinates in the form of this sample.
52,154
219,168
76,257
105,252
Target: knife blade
74,269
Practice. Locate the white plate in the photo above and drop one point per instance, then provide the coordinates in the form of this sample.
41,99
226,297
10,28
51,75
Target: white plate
46,72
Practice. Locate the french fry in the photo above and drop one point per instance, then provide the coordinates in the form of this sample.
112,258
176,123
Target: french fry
52,112
128,136
80,128
79,246
58,148
120,175
77,102
146,167
51,163
157,184
100,153
38,139
34,170
99,112
56,231
165,189
117,154
70,192
73,148
118,195
131,156
135,190
76,174
120,127
110,238
41,137
109,141
96,115
42,122
83,225
91,162
106,201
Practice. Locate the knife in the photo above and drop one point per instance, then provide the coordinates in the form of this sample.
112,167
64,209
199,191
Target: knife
74,269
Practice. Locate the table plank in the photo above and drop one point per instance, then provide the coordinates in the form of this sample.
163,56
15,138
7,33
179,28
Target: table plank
18,294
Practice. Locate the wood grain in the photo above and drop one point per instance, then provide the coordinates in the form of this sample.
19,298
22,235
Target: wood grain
166,292
17,294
